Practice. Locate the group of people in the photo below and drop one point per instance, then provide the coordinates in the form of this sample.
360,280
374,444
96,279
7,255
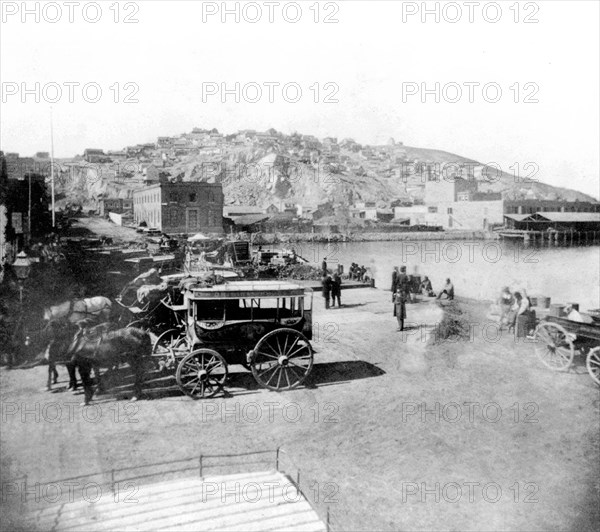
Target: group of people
516,312
332,289
357,273
403,291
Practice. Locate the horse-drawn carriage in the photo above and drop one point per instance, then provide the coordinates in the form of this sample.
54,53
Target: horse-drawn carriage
558,340
264,326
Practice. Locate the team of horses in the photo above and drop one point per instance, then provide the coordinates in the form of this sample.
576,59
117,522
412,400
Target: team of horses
80,335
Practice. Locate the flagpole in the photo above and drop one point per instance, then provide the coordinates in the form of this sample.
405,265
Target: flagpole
52,168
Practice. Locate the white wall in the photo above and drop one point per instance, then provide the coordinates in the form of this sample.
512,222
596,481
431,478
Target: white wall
116,218
417,214
471,215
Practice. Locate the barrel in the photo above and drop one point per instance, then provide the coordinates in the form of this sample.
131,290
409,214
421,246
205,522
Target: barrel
575,306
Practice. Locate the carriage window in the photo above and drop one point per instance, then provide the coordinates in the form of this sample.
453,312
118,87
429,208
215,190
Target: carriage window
267,303
210,310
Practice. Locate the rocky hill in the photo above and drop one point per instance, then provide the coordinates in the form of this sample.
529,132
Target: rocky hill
272,168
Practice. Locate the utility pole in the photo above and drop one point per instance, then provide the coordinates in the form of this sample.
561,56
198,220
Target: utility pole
52,168
29,213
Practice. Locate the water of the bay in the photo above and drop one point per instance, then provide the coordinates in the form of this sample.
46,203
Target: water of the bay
478,269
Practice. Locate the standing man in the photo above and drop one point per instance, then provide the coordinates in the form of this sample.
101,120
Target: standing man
395,276
326,282
400,296
324,266
336,289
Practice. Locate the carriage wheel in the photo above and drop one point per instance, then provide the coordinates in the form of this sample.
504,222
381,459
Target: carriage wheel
169,346
592,363
553,346
202,373
282,359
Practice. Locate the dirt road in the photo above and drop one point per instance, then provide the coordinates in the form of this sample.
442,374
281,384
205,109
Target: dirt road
396,433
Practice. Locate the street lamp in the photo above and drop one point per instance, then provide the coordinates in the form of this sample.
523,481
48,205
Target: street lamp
22,267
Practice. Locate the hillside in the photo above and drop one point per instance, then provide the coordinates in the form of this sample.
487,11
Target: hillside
272,168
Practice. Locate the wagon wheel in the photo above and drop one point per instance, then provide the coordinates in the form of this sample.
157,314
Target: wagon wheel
169,346
592,363
282,359
553,346
202,373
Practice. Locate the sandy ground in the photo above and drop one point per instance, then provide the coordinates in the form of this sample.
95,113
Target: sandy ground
509,446
95,227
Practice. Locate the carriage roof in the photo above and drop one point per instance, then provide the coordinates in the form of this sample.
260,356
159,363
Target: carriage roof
247,289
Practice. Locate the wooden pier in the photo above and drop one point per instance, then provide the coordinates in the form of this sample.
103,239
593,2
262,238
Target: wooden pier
565,238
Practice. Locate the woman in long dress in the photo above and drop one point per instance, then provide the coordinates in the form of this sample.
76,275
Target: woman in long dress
505,302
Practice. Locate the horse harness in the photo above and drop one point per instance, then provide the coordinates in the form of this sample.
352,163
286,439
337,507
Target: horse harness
82,335
85,306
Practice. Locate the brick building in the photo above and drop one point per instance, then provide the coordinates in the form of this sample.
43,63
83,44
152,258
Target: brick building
180,207
116,205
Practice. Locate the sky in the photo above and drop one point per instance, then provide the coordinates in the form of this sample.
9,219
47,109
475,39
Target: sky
522,92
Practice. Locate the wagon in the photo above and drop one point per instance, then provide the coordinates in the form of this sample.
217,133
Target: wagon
558,340
265,326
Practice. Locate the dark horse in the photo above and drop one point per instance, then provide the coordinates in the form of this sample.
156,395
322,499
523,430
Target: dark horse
56,330
100,347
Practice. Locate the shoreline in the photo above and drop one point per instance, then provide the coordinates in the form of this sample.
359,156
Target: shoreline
282,238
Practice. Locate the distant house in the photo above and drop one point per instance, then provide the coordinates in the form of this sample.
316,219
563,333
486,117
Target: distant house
272,209
116,205
155,174
164,142
94,155
42,155
305,211
118,155
385,215
18,167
